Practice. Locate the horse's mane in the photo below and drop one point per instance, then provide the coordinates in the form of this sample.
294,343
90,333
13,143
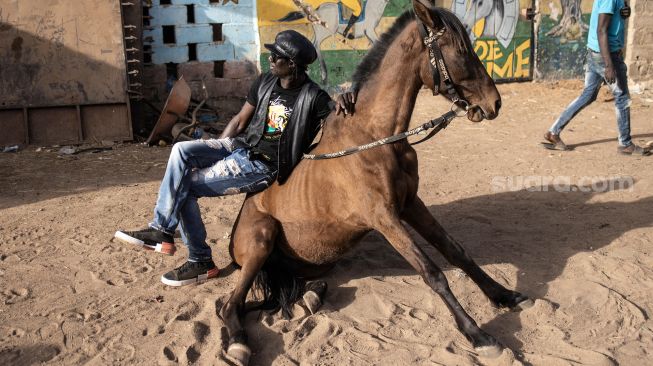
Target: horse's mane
374,56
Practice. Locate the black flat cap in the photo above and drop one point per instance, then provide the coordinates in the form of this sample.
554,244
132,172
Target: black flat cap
293,45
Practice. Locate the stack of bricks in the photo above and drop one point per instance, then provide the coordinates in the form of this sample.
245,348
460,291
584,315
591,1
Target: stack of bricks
210,40
639,47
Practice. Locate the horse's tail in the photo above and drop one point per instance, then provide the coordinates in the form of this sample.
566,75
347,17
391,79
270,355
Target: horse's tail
292,16
279,286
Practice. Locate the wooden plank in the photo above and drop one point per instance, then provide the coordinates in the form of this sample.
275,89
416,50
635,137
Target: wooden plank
12,125
49,126
105,122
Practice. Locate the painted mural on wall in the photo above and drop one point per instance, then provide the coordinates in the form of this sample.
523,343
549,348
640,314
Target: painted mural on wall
562,38
502,38
344,30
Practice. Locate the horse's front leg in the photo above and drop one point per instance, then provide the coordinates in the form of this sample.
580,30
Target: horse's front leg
399,238
252,246
419,217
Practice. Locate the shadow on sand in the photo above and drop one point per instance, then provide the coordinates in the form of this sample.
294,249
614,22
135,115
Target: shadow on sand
536,231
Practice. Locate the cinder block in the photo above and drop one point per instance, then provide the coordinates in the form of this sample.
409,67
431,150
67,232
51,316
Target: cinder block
155,34
194,71
168,15
188,2
218,87
227,13
154,74
206,14
242,14
228,106
164,54
241,87
214,52
193,33
240,33
239,69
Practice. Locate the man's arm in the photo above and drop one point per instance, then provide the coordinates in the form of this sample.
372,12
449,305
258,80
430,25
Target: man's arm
602,35
239,122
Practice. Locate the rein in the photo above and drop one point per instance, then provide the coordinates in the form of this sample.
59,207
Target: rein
438,67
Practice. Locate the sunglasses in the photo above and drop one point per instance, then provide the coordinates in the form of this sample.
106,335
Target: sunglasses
274,57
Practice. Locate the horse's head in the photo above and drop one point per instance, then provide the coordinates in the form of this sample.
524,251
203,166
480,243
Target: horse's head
466,72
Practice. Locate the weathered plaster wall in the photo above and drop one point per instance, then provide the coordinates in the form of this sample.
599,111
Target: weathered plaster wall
639,45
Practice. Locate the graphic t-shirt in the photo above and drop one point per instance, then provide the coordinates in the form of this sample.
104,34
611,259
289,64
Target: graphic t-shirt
280,108
615,28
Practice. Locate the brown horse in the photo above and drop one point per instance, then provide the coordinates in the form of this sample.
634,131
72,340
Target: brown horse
327,206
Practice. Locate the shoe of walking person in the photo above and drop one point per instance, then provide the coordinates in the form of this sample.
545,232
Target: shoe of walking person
633,149
149,239
189,273
555,142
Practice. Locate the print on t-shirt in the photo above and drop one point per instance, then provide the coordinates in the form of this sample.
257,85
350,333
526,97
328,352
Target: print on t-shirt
278,117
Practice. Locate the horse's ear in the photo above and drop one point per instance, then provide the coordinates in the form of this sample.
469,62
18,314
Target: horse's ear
423,12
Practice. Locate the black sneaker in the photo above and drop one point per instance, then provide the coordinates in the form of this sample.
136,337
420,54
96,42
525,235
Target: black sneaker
189,273
150,239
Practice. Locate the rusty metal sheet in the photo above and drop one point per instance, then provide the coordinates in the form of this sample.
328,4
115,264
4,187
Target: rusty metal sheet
61,53
105,122
12,125
59,124
176,104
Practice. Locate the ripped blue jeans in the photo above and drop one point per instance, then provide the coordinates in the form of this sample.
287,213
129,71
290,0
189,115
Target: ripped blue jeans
594,78
203,168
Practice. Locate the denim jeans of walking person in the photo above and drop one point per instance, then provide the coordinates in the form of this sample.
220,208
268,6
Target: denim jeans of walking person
203,168
594,78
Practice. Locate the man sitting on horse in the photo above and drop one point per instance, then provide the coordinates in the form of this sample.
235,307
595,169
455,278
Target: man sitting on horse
262,143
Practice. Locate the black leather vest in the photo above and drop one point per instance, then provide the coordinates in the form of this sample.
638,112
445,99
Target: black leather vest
298,134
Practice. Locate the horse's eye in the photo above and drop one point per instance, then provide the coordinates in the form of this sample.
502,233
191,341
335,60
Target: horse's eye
480,3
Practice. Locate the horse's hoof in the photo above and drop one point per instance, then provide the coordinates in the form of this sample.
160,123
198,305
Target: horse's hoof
492,351
523,305
312,301
239,354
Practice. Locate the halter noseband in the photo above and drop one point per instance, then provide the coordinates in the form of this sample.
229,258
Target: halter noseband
436,60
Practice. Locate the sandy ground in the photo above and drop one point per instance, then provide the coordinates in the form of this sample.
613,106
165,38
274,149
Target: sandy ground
69,294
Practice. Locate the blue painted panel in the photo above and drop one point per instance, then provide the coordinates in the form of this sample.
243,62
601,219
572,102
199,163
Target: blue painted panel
215,51
194,33
164,54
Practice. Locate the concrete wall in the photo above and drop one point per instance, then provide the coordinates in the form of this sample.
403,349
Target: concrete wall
214,41
639,45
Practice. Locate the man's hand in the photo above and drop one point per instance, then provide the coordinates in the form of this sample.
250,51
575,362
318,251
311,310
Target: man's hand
610,75
625,11
345,102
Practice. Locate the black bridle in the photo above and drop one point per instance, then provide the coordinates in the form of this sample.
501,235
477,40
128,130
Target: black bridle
436,60
438,68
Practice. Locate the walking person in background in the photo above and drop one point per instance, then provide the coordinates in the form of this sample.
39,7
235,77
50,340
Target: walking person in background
605,63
